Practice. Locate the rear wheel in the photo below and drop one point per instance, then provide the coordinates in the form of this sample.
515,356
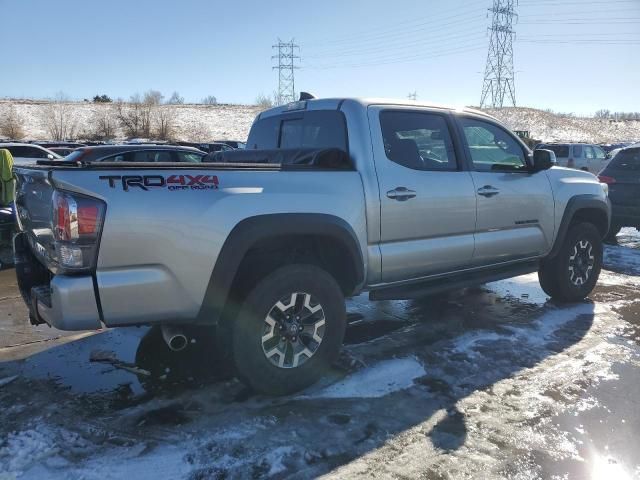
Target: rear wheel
572,274
289,330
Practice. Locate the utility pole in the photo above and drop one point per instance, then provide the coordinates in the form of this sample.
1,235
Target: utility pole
413,96
499,73
286,67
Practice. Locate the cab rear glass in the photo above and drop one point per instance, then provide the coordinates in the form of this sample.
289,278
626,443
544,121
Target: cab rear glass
626,160
310,129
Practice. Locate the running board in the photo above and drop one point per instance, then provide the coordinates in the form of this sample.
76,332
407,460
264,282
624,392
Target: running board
451,282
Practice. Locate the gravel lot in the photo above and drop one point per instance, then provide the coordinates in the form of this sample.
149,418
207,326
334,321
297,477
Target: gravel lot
492,382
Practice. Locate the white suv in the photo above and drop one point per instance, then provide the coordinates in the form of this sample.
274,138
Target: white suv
23,153
581,156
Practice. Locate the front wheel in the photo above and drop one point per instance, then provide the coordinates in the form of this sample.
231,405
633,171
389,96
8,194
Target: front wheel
289,330
572,274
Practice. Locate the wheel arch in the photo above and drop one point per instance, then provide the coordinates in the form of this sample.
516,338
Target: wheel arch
583,208
263,234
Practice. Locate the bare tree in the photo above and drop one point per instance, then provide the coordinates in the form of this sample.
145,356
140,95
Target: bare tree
105,123
153,97
58,118
163,123
210,100
135,116
264,102
604,113
175,99
11,123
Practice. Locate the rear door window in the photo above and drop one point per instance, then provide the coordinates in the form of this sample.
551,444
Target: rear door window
561,151
418,140
589,153
577,151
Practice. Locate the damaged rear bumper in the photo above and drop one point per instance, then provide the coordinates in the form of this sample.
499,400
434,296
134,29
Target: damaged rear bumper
61,301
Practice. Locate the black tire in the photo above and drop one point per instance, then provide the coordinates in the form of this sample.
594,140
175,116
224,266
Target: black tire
556,277
303,285
613,232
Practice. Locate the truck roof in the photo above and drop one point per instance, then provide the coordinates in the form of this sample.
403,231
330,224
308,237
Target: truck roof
335,103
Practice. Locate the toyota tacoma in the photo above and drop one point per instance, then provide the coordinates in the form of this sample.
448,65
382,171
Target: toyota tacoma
331,198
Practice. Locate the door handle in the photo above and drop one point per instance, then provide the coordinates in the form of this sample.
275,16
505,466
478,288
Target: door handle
488,191
401,194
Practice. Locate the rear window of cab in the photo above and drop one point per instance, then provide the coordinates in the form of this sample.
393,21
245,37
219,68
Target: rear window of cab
309,129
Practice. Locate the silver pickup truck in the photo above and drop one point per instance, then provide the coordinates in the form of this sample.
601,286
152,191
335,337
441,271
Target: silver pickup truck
332,197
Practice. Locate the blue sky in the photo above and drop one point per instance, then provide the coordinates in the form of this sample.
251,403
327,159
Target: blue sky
570,55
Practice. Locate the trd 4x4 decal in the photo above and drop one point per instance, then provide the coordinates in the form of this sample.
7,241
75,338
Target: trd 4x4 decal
172,182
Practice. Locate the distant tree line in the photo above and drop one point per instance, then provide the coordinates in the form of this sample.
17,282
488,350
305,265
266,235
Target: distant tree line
609,115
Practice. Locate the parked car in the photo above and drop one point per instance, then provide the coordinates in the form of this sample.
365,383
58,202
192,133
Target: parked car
233,143
28,153
207,147
136,153
623,177
581,156
63,151
51,145
333,197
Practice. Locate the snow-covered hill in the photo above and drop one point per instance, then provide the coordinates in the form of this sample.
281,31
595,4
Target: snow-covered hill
190,122
210,122
548,126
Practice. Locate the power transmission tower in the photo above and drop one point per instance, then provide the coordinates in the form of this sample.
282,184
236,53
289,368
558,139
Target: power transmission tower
286,67
499,74
413,96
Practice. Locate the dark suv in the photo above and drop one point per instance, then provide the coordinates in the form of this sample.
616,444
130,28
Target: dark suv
623,177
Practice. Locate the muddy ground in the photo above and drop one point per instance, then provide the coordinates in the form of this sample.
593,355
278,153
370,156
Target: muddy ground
491,382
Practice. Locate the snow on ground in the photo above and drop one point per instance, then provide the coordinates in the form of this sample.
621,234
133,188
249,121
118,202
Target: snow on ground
378,380
624,257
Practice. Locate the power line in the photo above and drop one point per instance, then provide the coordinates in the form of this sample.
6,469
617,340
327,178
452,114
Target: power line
499,73
286,68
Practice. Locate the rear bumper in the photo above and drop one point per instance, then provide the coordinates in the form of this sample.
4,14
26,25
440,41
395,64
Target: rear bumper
61,301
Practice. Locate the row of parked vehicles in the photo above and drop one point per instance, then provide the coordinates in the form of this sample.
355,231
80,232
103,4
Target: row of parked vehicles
619,167
146,151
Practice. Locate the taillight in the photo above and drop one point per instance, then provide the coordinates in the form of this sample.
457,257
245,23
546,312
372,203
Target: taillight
76,223
607,180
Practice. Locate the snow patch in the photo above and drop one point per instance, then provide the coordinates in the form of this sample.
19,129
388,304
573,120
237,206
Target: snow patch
376,381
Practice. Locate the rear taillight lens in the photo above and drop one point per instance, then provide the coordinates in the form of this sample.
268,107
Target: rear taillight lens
76,224
607,180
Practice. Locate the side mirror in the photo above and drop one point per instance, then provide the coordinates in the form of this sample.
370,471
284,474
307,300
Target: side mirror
543,160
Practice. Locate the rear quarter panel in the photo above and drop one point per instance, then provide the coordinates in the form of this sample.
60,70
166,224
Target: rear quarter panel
158,247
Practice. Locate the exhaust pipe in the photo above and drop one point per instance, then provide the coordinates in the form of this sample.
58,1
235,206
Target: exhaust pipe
174,337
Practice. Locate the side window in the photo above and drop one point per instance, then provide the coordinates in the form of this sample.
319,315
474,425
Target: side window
151,156
577,151
36,153
600,155
492,148
189,157
588,152
418,140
